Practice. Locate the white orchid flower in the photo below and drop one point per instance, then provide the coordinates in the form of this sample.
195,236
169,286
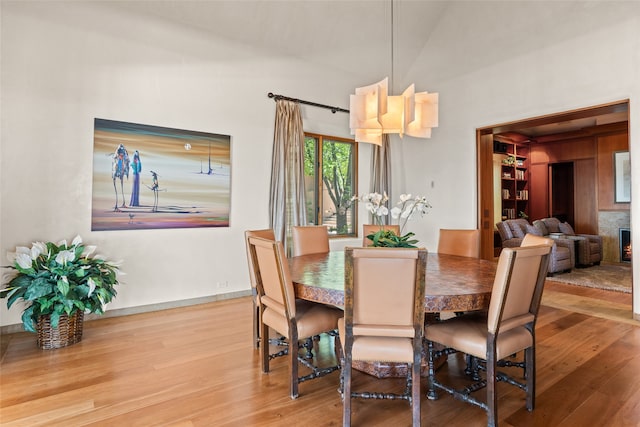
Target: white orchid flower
395,212
382,211
65,256
24,260
76,241
404,197
92,286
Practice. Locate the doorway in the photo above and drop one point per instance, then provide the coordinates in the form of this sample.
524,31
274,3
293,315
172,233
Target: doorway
561,197
560,131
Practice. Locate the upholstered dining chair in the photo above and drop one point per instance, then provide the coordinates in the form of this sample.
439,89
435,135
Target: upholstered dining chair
265,234
368,229
459,242
384,317
279,309
310,239
507,328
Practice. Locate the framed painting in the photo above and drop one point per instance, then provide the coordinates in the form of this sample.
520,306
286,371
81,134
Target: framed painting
622,174
147,177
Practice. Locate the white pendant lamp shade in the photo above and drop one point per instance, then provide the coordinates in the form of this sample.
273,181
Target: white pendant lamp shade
426,115
373,112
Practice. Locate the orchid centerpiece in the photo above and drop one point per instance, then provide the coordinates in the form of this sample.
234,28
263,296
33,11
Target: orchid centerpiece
58,278
407,208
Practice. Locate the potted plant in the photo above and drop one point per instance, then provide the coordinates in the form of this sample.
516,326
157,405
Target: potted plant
406,208
59,283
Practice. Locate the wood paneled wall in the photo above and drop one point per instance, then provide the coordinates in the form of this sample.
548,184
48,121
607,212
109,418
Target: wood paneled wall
582,152
607,145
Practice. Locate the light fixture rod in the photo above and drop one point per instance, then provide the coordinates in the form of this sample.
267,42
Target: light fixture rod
392,52
301,101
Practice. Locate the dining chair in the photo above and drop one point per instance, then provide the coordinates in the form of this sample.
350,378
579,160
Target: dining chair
507,328
459,242
265,234
310,239
368,229
293,318
383,318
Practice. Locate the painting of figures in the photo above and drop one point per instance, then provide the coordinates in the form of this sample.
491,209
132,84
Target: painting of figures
156,177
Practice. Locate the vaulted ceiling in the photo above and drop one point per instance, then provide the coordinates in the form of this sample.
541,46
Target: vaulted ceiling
442,39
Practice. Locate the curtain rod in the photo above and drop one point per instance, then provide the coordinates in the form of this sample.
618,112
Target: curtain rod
314,104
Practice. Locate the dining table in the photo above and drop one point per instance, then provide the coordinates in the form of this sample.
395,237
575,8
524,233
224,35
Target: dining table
452,284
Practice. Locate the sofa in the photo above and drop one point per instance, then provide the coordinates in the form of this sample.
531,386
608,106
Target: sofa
588,247
562,257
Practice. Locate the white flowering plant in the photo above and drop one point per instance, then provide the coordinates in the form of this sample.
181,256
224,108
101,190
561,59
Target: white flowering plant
407,208
57,278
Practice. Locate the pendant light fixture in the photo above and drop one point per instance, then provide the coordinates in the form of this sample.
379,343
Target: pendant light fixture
373,112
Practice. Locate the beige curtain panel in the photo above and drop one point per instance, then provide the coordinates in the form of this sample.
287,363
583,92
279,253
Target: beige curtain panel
381,170
287,197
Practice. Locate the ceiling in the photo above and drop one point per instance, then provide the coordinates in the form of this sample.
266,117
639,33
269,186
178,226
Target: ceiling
391,34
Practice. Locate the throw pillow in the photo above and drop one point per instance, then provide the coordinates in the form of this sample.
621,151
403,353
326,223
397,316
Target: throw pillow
533,230
517,230
540,226
566,228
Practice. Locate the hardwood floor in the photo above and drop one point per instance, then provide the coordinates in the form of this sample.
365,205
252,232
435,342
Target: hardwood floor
195,366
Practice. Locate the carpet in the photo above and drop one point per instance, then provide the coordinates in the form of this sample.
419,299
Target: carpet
613,277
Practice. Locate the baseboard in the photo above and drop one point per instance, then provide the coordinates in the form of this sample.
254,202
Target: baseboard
11,329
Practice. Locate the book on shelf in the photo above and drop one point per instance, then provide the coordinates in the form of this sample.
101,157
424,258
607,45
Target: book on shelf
509,213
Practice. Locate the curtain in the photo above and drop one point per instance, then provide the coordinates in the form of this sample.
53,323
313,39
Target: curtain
287,197
381,171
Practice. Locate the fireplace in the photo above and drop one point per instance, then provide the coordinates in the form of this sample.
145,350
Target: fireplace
625,245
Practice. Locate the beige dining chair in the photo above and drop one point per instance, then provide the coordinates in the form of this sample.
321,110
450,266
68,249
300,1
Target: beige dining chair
269,234
310,239
368,229
384,317
507,328
293,318
459,242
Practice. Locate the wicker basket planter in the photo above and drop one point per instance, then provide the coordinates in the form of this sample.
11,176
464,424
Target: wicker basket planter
69,331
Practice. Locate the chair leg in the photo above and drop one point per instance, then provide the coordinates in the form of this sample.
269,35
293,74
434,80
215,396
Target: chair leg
346,392
431,392
256,325
415,392
530,367
293,364
492,397
264,347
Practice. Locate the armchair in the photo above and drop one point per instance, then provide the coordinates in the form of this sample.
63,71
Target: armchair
512,232
588,247
562,257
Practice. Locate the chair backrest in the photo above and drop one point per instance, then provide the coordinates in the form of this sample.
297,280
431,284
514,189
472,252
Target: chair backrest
533,240
368,229
310,239
459,242
517,287
266,233
384,291
273,280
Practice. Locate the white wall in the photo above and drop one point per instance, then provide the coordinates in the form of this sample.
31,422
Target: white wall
62,66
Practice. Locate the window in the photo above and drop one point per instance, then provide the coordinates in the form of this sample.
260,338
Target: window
331,171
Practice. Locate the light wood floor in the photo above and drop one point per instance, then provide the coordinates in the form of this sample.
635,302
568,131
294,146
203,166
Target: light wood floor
195,366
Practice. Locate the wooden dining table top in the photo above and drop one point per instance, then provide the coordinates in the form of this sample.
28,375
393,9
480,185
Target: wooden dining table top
453,283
